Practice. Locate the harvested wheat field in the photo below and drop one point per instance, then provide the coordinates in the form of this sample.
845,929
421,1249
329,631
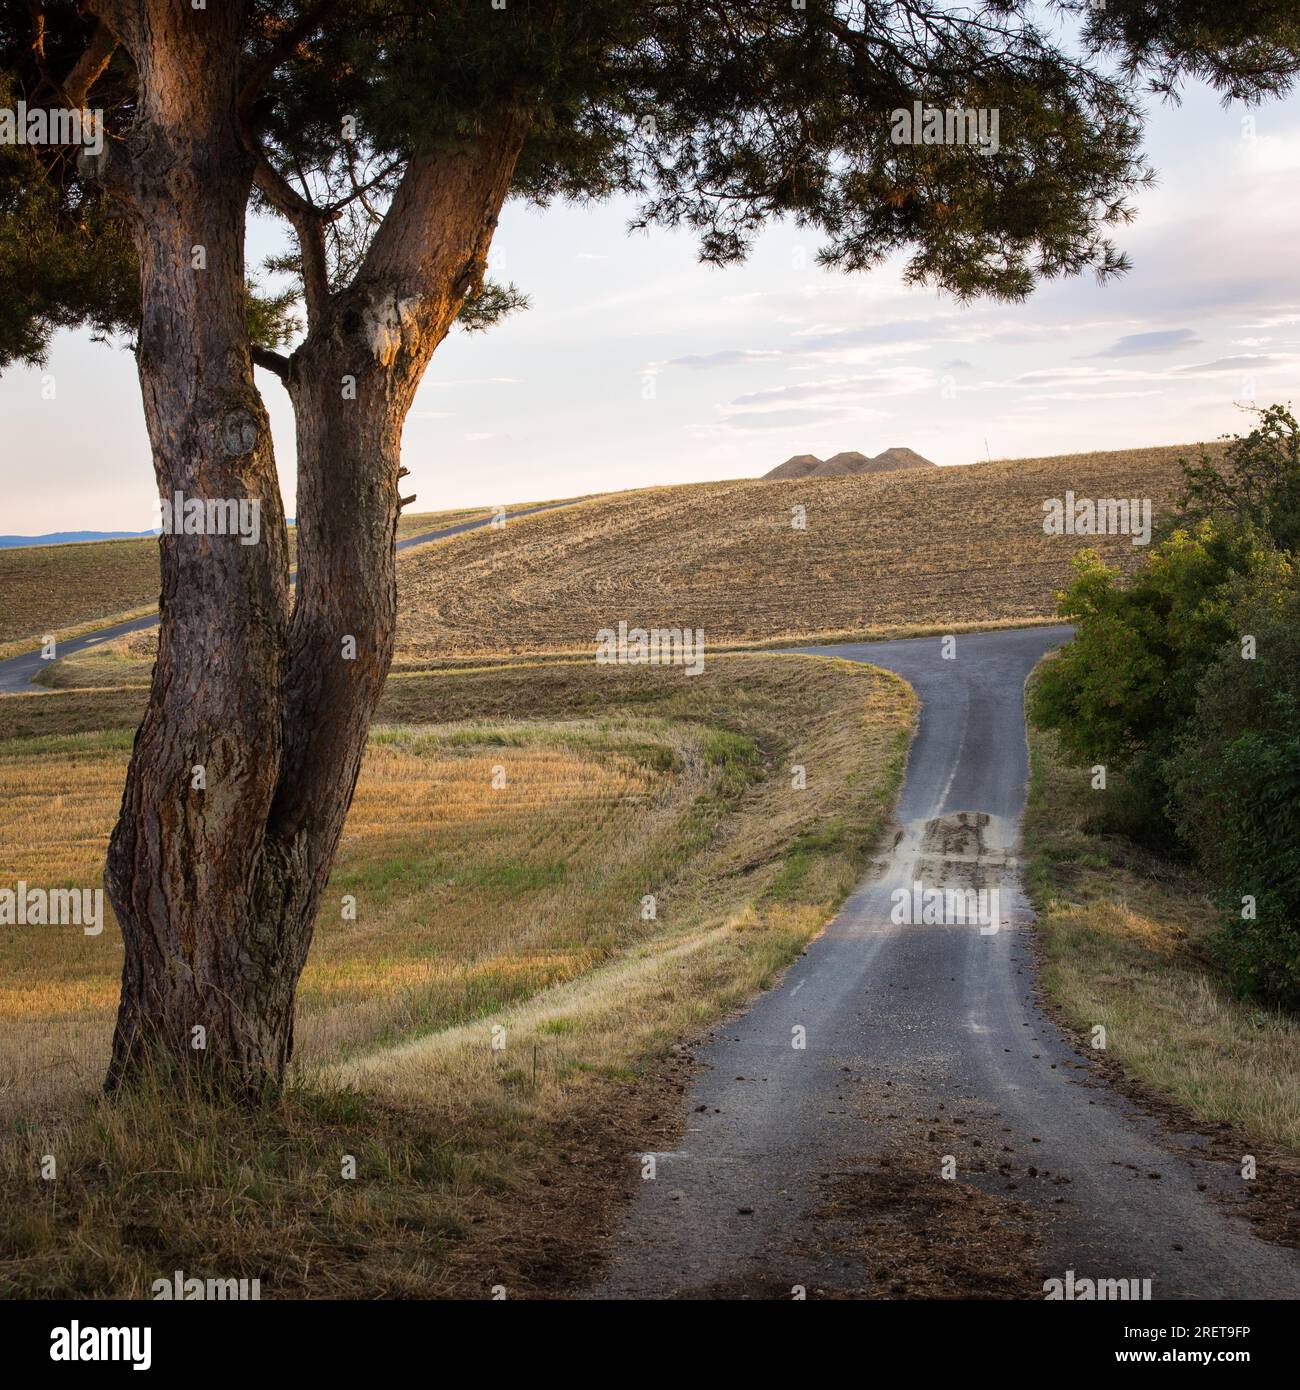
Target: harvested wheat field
65,590
882,552
466,895
506,827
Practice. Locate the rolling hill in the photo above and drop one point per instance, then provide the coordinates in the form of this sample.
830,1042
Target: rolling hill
66,588
911,550
70,538
881,552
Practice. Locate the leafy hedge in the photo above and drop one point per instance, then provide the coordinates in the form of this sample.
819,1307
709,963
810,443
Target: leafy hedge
1187,677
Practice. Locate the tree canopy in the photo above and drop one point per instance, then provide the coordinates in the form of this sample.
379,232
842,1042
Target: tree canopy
717,115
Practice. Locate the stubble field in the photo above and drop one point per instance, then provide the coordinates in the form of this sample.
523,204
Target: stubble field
880,554
65,590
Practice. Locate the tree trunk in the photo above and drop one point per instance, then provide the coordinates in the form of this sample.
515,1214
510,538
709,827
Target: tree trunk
352,383
197,973
244,768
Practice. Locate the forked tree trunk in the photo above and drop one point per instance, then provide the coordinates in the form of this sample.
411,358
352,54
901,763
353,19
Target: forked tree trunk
244,767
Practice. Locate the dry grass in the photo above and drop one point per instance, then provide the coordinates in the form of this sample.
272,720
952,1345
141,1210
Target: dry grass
68,590
412,523
521,877
124,661
1124,937
518,906
63,589
880,552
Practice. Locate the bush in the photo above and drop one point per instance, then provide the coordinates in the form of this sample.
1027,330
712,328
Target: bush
1122,690
1235,796
1157,682
1258,483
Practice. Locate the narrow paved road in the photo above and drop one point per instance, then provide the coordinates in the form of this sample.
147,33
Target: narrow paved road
19,673
821,1166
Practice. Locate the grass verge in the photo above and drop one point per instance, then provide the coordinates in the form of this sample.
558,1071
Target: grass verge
1125,938
128,661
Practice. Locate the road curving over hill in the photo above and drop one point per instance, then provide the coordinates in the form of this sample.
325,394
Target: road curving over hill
820,1167
19,673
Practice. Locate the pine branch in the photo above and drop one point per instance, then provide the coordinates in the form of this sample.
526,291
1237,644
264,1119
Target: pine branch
308,222
278,52
273,362
90,66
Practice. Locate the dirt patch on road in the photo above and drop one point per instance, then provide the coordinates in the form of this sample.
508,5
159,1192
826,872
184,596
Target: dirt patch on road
924,1236
914,1234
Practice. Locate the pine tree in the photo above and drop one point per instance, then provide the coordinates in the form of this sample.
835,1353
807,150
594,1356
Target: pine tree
387,134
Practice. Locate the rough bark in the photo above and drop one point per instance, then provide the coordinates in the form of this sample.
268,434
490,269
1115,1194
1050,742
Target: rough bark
352,383
181,859
216,888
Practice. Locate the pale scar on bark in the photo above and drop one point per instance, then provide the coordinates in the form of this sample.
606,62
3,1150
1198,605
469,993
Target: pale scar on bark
384,322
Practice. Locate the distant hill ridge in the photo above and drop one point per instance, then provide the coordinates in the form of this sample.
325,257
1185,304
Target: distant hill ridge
83,537
72,538
848,463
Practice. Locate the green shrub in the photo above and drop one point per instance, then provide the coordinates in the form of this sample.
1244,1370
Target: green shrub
1235,796
1160,682
1258,483
1121,692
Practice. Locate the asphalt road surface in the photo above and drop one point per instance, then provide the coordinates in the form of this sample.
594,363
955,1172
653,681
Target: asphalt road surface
19,672
818,1166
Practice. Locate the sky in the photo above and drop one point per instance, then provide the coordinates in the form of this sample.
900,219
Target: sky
635,366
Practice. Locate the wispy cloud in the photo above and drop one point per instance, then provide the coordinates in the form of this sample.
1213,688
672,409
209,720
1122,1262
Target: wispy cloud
727,357
1243,362
805,420
831,391
1148,344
